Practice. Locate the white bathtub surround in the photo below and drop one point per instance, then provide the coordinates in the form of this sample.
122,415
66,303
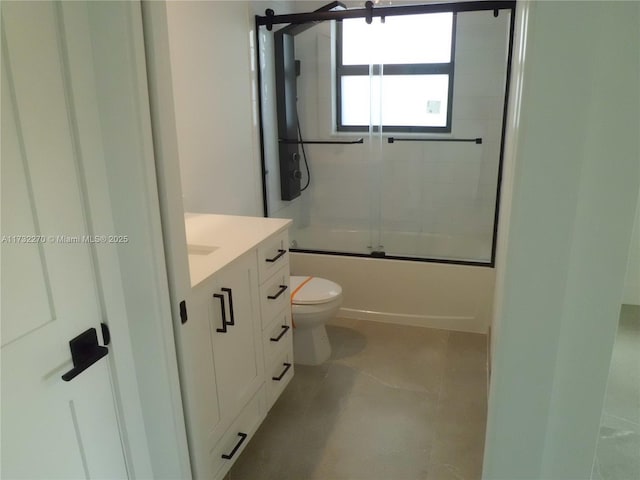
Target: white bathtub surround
449,297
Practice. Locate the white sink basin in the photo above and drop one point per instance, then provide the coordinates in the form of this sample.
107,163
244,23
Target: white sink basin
200,249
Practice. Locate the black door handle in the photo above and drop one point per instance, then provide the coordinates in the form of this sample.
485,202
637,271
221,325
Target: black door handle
229,456
280,292
224,313
285,328
281,252
85,351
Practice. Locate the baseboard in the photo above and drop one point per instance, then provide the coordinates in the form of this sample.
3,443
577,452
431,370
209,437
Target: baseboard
457,324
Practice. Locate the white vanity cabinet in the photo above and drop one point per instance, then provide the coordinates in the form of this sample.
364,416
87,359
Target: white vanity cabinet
234,333
235,349
228,363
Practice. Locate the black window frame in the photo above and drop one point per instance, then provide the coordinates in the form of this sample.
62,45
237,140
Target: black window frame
395,69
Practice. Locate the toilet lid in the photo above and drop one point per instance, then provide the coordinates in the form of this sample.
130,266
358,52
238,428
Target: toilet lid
314,291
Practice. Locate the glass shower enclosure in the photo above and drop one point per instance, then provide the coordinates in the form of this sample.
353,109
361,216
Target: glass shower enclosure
383,127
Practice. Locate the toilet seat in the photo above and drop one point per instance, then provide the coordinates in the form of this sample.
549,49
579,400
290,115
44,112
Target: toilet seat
313,292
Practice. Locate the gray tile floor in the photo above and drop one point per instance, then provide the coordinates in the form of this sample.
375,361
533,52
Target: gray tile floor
392,403
618,452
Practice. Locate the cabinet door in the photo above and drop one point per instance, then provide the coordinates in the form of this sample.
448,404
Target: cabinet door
235,335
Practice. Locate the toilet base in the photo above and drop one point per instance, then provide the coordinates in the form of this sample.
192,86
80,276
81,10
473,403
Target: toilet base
311,345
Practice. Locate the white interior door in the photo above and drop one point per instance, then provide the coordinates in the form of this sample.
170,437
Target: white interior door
50,285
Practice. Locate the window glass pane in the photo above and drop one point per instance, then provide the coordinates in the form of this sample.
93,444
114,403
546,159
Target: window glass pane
404,100
356,100
414,100
422,38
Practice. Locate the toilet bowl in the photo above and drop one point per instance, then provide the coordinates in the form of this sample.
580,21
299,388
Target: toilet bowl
314,301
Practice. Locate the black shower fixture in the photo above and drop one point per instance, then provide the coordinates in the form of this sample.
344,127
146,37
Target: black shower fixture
287,71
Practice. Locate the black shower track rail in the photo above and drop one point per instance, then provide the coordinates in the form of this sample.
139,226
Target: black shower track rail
271,18
477,141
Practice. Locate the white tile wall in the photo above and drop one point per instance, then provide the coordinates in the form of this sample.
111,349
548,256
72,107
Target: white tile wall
415,188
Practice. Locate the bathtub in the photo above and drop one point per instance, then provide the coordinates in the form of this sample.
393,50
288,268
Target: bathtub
425,294
471,247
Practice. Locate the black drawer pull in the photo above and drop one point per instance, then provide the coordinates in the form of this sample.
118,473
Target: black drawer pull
224,313
243,437
280,253
280,292
287,366
85,351
228,290
285,329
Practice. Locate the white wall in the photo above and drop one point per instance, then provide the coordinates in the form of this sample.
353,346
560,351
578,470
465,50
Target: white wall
121,76
632,281
212,71
574,193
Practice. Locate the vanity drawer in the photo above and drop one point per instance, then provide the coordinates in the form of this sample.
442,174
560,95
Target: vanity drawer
237,436
275,295
273,254
278,334
279,374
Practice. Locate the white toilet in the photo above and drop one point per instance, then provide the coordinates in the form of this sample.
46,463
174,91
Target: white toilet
314,301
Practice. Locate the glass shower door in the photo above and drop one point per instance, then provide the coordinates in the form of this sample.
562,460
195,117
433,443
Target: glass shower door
439,179
332,213
421,182
361,76
376,159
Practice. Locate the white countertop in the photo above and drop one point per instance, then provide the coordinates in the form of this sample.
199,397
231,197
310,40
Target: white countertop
214,241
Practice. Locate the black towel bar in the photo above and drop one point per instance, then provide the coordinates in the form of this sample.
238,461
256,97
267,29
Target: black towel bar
323,142
474,140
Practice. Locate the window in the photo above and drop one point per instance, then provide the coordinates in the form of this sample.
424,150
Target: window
398,74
